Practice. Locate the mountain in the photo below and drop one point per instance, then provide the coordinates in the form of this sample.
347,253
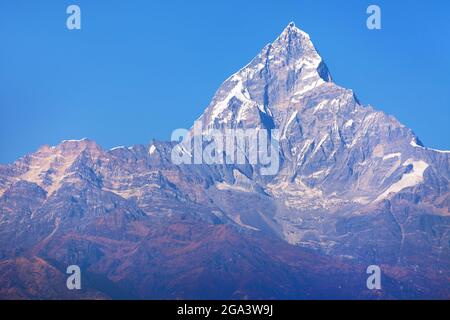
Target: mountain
345,167
354,188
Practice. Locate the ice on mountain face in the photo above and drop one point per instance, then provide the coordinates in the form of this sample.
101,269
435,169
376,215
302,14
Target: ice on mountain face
295,44
410,179
309,87
116,148
392,155
416,145
322,105
320,173
328,139
240,96
50,166
74,140
337,157
319,145
349,123
283,72
287,125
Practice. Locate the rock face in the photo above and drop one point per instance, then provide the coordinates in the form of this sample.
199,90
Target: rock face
354,188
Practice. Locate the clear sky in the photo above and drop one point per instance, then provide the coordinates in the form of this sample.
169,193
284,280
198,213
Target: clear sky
139,69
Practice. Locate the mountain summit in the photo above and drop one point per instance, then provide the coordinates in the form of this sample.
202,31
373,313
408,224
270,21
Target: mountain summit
289,65
354,188
329,140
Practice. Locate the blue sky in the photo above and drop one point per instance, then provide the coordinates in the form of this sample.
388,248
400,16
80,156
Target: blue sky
139,69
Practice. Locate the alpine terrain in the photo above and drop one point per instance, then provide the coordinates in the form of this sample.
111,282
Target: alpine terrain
354,188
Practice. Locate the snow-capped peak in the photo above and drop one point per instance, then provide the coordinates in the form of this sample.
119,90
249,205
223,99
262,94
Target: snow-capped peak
293,29
288,66
295,48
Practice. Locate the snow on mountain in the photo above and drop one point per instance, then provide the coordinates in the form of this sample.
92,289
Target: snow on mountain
324,127
337,155
353,183
290,63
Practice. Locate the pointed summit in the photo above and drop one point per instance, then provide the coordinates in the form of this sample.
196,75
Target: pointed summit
296,48
292,28
288,65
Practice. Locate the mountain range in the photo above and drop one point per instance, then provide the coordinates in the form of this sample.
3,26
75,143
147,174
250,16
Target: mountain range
354,188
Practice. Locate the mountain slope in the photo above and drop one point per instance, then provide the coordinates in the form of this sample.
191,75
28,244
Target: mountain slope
339,159
355,187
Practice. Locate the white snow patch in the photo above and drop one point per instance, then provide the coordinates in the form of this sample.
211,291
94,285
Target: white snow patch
392,155
309,76
414,144
305,147
115,148
286,127
238,92
320,106
310,87
319,173
152,149
80,140
349,123
324,138
227,186
410,179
